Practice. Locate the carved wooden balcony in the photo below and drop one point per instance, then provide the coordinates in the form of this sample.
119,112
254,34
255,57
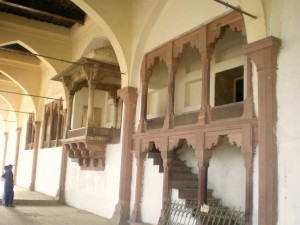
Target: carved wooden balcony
88,145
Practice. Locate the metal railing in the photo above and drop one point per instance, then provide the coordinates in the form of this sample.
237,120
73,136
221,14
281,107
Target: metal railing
190,213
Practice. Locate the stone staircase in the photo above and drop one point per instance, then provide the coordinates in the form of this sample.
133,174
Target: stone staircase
183,179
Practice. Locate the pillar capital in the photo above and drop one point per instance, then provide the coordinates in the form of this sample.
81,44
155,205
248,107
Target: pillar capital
128,95
264,52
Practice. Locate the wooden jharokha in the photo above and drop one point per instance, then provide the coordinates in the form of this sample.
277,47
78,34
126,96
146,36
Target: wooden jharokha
87,144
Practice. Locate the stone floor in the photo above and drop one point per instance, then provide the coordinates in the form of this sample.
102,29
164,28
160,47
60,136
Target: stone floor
33,208
48,215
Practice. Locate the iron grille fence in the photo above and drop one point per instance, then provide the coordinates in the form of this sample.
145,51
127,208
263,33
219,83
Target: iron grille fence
190,213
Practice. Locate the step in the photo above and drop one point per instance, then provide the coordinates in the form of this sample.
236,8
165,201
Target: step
185,184
213,201
184,176
188,193
178,162
157,161
154,155
181,169
210,201
192,194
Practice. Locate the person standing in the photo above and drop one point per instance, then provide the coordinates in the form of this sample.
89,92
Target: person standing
8,193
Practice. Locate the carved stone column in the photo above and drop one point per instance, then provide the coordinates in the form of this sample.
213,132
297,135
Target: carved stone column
167,162
36,126
62,177
264,54
206,54
129,97
136,214
248,103
90,109
69,113
18,131
145,76
4,149
203,156
247,149
116,106
169,119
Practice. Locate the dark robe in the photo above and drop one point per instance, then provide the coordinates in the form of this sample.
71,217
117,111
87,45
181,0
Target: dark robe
8,192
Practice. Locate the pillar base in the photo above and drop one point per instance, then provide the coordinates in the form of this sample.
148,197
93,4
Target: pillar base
135,217
121,214
31,187
61,195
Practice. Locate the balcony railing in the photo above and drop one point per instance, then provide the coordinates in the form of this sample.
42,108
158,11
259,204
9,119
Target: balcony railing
228,111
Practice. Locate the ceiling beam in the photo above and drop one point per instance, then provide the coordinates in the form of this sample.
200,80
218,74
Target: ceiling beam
40,12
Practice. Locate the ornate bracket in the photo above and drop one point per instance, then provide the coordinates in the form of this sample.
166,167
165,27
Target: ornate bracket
235,139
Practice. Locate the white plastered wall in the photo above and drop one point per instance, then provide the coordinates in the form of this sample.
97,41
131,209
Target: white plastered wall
288,129
95,191
227,175
151,193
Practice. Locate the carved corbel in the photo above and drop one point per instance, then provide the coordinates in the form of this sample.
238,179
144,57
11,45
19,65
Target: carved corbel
75,150
235,140
172,65
175,142
70,151
212,141
86,162
83,150
87,70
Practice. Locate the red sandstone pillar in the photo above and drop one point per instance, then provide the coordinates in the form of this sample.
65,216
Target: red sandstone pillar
129,97
264,54
169,118
167,162
90,109
37,126
206,53
247,150
4,149
145,76
69,113
136,214
203,156
248,102
18,131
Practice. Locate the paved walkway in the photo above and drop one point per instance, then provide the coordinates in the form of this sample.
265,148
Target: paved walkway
48,215
33,208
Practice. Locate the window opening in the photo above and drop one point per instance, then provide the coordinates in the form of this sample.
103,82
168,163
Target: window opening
229,86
